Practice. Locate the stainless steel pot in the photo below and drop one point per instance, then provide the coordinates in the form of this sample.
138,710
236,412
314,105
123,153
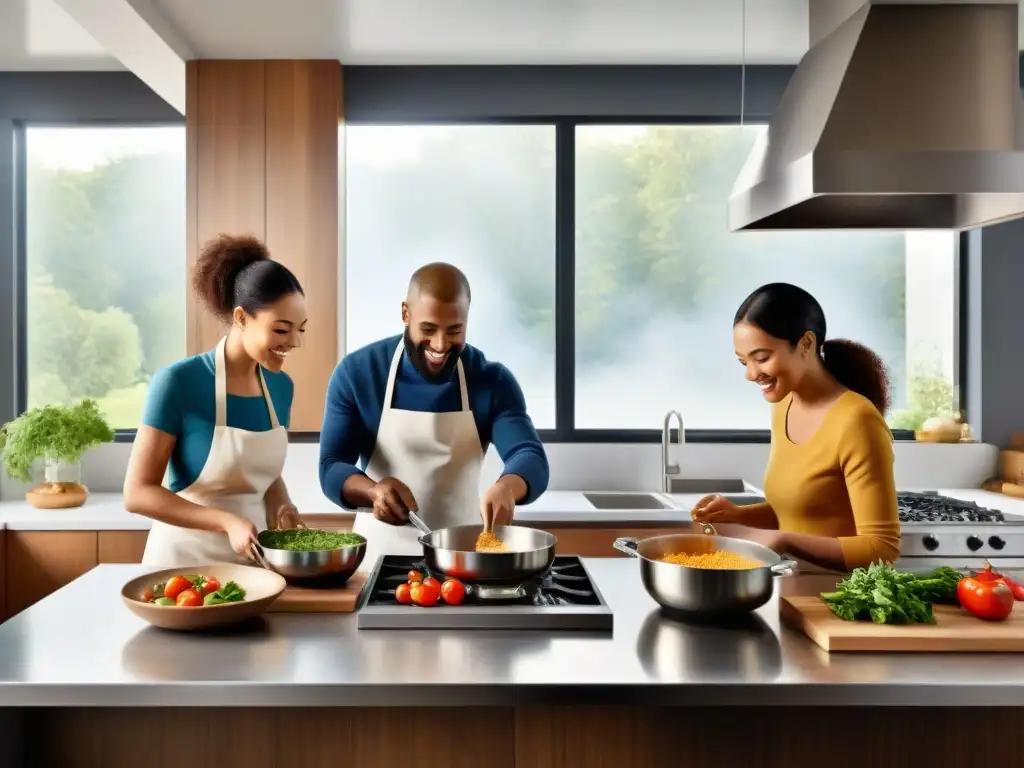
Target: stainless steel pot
452,551
321,567
705,592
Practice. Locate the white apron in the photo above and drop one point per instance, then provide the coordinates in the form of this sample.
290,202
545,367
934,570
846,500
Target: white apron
241,466
438,455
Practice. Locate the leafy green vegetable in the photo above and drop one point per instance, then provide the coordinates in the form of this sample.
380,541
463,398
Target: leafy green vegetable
309,539
887,596
229,593
61,432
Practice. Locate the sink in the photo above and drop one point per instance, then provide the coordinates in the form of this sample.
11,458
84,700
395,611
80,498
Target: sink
742,501
612,500
704,486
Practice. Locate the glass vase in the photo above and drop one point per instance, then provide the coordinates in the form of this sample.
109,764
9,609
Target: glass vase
60,471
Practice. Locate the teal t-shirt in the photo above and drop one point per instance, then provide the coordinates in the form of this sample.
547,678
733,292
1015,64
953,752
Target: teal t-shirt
181,402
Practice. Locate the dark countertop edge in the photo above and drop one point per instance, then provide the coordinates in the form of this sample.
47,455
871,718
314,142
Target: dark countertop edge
343,696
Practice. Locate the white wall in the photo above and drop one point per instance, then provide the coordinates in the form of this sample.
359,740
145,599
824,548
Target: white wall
626,467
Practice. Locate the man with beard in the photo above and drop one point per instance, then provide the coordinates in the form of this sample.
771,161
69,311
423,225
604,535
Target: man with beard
418,411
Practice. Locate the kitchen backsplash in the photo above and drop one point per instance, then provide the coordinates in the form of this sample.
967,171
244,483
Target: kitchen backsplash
605,466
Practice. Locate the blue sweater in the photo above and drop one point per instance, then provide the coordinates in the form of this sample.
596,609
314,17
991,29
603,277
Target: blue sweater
355,400
181,402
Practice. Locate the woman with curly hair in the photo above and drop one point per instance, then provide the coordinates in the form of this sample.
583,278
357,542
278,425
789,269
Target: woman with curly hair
829,485
216,423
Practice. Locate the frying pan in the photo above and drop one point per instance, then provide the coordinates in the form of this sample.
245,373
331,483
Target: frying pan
452,551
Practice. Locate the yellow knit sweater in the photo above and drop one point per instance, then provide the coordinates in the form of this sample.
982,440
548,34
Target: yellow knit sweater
839,483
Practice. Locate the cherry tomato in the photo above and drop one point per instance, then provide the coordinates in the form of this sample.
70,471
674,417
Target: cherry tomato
1015,586
208,586
190,598
147,595
415,576
425,595
175,586
430,580
986,598
453,591
403,594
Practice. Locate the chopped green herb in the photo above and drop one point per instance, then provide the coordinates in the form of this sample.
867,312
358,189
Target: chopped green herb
887,596
229,593
309,539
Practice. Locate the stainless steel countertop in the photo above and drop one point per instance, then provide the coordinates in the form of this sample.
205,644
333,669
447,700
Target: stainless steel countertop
81,646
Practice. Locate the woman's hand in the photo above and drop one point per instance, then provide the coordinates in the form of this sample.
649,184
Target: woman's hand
241,533
288,517
716,509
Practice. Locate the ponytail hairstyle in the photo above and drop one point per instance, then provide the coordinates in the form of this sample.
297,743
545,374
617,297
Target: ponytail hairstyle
237,271
787,312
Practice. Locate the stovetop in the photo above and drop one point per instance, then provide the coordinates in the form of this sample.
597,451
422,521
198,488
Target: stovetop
563,598
933,508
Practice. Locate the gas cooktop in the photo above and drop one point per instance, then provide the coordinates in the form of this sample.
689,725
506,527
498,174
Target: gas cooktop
933,508
563,598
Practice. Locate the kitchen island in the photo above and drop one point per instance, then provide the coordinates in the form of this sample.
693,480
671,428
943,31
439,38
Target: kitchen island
85,682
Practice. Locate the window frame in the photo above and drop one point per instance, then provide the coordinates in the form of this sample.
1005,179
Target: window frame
20,282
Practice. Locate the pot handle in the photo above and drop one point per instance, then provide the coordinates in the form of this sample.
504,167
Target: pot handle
785,568
626,545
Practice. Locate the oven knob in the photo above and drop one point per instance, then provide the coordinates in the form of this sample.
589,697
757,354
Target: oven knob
930,542
995,542
974,543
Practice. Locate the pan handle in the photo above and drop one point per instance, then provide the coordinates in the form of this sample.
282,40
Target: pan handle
417,521
626,545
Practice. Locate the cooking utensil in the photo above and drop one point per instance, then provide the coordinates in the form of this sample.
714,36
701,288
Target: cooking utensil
452,551
705,592
312,567
262,587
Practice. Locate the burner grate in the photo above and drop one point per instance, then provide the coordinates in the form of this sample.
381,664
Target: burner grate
932,508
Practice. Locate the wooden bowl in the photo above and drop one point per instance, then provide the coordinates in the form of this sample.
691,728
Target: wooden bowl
262,587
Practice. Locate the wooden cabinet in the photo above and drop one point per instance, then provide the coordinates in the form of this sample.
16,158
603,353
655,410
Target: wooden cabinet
38,563
121,546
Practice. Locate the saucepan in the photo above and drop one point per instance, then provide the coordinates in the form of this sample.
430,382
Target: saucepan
700,592
452,551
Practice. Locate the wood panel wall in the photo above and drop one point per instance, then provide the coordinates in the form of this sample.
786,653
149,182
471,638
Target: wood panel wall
263,160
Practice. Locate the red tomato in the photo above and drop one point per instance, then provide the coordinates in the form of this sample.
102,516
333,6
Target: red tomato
415,576
430,580
988,574
147,595
403,594
190,598
989,599
453,591
176,586
1015,586
208,586
425,595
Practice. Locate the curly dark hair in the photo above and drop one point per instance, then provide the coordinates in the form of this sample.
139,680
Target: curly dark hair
788,312
237,271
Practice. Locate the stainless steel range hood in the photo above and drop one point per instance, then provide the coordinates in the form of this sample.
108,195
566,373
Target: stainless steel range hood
902,115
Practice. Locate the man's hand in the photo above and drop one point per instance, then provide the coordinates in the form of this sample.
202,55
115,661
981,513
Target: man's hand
498,504
288,517
392,501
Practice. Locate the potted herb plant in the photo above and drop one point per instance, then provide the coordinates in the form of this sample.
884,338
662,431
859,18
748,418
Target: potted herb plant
58,435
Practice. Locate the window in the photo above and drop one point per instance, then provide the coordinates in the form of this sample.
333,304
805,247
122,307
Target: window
105,245
481,197
659,277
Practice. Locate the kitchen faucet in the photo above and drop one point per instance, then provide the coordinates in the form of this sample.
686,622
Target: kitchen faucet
669,470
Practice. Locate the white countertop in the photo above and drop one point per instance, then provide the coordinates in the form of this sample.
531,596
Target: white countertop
105,511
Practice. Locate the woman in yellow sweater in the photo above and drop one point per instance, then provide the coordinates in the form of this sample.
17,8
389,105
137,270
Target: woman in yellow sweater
831,495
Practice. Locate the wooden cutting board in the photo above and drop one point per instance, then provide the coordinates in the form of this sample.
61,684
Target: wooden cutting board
954,630
312,600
